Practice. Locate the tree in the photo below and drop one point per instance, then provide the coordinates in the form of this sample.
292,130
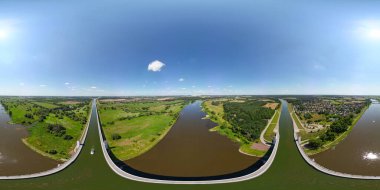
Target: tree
315,144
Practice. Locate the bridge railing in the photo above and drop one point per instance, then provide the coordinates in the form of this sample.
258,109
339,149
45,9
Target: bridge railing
318,167
129,176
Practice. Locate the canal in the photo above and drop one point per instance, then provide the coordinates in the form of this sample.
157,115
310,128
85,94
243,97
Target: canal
359,153
191,150
288,171
15,157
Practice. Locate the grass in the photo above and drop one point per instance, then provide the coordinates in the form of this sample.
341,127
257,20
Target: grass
141,124
305,136
247,149
341,137
39,138
269,133
216,113
46,105
288,171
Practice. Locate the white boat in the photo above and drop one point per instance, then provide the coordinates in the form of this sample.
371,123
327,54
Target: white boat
92,151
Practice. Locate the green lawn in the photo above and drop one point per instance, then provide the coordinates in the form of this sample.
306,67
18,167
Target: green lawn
269,134
140,125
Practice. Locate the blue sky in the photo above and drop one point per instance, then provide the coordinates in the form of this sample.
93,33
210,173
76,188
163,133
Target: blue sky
206,47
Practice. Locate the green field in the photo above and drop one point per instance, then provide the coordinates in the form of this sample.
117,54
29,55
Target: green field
132,128
269,134
38,114
288,171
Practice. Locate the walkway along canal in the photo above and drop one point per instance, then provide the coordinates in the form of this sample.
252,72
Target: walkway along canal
15,157
189,149
359,152
288,171
59,167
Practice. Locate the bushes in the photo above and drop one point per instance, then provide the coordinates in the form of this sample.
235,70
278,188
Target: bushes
28,115
335,129
315,143
56,129
115,136
52,151
68,137
247,119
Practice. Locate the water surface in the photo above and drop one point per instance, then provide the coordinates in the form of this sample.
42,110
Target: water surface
191,150
15,157
359,153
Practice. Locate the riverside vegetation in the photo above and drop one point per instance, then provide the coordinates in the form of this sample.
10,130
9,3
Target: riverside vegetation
54,124
325,121
132,126
243,119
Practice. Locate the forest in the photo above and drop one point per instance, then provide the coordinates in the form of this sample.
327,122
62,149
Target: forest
247,119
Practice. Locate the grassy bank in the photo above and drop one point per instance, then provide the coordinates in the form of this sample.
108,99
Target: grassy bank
53,127
269,133
339,138
134,127
216,112
305,136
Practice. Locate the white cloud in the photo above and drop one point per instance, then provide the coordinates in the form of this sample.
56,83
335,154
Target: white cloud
155,66
43,85
67,83
181,80
183,88
93,87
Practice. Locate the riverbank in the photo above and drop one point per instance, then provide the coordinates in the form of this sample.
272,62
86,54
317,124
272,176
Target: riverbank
328,145
215,112
270,133
133,128
53,128
64,165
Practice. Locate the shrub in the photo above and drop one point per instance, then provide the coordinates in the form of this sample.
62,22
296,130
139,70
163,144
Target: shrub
115,136
315,143
68,137
56,129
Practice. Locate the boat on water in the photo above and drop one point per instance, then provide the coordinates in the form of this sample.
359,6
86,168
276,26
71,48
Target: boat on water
92,151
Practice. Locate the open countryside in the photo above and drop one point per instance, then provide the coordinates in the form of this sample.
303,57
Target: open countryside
193,95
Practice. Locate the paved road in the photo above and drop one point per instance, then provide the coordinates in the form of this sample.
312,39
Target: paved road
288,171
61,166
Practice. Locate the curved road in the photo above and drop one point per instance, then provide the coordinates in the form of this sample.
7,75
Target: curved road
321,168
63,165
126,175
288,171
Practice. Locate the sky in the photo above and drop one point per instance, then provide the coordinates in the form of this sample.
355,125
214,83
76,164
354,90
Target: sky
189,47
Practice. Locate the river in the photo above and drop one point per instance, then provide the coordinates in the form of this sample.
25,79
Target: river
191,150
15,157
359,153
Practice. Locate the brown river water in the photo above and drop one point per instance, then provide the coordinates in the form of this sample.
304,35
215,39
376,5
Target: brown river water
359,153
15,157
191,150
